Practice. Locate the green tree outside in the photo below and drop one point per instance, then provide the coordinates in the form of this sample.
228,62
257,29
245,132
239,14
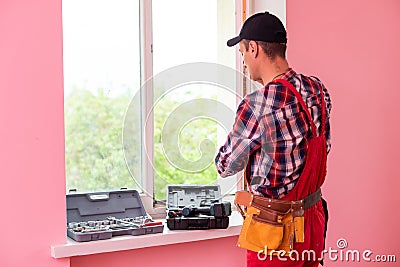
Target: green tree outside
94,154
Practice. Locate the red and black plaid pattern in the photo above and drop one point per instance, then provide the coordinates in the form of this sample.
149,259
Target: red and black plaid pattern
271,132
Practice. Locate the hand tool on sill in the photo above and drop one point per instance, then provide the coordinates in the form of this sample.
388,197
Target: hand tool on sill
137,222
87,229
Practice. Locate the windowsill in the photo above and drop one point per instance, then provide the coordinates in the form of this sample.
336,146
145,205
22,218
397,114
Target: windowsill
126,242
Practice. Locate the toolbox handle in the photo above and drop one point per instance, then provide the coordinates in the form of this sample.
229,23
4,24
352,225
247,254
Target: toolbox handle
98,197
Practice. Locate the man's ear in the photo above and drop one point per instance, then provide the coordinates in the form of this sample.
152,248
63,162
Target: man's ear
253,48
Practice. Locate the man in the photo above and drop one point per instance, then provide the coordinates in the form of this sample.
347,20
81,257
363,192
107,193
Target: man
281,134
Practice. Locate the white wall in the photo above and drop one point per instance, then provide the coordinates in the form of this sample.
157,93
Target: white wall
276,7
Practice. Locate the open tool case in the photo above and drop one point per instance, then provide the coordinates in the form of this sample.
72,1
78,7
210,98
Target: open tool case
102,215
195,207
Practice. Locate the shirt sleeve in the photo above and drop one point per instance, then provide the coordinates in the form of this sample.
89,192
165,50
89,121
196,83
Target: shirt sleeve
328,104
243,139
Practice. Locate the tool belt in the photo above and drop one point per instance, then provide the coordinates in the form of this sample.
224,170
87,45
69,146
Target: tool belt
272,224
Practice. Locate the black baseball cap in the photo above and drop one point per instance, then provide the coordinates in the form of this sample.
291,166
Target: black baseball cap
261,27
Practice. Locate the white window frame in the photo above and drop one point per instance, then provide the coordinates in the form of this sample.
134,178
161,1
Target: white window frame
146,93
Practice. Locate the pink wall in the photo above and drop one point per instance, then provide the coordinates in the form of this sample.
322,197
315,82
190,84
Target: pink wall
354,47
351,45
31,135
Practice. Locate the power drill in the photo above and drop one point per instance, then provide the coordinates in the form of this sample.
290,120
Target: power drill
222,209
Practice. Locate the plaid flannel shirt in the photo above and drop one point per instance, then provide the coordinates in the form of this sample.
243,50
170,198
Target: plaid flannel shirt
270,133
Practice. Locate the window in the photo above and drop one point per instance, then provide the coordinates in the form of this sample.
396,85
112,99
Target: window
120,59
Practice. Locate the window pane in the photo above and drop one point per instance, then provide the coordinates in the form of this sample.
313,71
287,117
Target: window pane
187,31
101,75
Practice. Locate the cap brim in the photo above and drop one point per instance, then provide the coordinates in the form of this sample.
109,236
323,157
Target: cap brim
234,41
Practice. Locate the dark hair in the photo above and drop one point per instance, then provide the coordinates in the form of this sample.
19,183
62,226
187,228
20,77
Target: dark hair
272,50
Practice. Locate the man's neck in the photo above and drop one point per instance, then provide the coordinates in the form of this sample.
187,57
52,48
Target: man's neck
274,70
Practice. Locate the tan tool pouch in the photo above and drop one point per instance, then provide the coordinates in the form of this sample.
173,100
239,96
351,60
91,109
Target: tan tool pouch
265,229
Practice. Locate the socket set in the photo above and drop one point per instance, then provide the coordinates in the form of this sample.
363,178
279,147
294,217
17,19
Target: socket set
102,215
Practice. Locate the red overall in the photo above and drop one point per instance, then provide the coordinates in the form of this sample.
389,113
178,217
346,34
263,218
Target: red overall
311,178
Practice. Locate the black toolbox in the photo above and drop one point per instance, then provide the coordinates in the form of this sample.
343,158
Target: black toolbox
195,207
102,215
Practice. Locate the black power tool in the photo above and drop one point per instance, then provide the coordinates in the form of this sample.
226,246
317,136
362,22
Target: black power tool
222,209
